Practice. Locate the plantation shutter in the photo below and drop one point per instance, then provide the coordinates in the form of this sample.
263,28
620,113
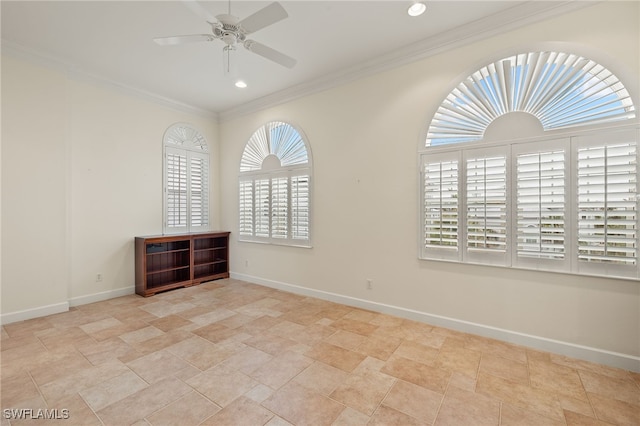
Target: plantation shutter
541,205
300,207
607,206
279,207
262,208
486,206
441,206
246,208
176,190
199,190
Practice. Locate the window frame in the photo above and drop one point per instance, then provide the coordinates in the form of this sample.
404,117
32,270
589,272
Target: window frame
184,140
260,147
573,139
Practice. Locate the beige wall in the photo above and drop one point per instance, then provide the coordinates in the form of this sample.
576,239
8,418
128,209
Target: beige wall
365,137
81,176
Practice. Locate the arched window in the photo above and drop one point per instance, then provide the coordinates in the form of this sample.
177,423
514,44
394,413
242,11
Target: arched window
275,187
512,176
186,180
560,89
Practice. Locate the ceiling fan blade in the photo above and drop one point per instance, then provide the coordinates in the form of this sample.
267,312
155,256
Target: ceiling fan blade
199,10
269,53
263,18
183,39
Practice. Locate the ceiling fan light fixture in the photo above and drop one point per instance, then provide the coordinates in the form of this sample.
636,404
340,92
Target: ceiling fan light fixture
417,8
240,84
228,62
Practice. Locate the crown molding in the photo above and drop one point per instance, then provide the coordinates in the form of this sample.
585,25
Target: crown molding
496,24
18,51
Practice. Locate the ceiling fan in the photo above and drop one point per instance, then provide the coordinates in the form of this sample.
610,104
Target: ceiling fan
233,32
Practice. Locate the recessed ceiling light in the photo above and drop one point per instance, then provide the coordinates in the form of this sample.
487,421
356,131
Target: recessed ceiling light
241,84
417,9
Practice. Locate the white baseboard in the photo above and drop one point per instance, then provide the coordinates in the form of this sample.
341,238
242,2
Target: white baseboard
99,297
57,308
28,314
600,356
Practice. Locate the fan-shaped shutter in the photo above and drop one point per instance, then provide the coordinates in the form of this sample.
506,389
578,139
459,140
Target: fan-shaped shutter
560,89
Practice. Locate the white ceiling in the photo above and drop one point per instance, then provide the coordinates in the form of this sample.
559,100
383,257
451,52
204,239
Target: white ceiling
112,41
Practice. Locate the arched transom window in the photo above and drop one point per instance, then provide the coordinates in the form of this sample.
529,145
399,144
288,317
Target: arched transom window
560,89
275,187
563,197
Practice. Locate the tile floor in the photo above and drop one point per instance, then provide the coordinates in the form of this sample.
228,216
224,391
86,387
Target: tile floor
232,353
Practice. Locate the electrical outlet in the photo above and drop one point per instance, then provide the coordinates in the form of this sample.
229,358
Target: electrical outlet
246,263
369,284
98,278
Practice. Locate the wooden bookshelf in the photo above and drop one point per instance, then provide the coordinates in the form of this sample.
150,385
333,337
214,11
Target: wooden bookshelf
165,262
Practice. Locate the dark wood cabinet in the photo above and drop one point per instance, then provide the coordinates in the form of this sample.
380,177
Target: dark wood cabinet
164,262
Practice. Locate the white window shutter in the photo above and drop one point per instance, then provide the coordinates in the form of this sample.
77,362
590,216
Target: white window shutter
280,208
441,207
607,205
541,181
486,215
245,227
176,190
262,208
199,191
300,207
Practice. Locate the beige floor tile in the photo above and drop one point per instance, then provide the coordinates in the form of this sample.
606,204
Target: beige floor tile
76,382
259,393
170,322
414,400
79,414
417,373
200,352
281,368
462,407
247,359
18,389
415,351
94,327
454,357
141,334
620,389
191,409
270,344
112,390
496,347
301,407
615,411
557,379
157,366
386,416
355,326
575,419
222,385
351,417
506,368
144,402
535,400
242,411
335,356
363,392
517,416
56,369
321,377
379,348
346,339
